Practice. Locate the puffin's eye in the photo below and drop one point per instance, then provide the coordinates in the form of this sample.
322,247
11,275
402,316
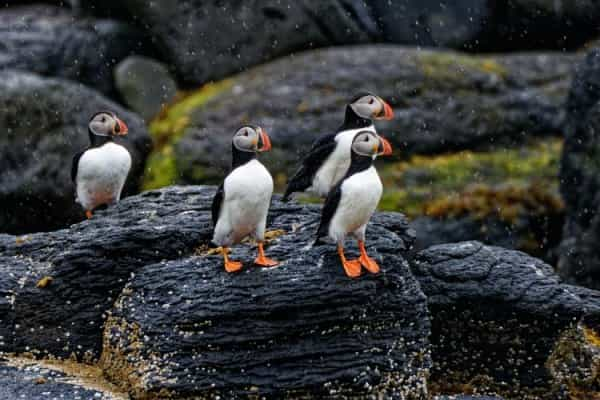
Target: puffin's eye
371,100
245,133
103,119
366,139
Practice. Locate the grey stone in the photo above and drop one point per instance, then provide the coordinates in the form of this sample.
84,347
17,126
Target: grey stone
145,85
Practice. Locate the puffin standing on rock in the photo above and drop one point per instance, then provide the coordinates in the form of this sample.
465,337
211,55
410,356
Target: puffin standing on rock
100,171
242,201
351,203
329,156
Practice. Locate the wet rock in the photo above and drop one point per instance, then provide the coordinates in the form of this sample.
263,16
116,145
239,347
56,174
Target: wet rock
145,85
497,316
45,123
186,328
53,41
90,263
206,41
443,101
580,177
466,397
27,380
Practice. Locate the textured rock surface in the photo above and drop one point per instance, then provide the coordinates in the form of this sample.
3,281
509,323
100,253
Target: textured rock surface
144,84
496,313
53,41
44,123
575,362
580,177
188,328
442,101
24,379
90,263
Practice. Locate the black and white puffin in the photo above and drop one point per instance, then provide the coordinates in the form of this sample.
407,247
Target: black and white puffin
100,171
241,204
329,156
351,203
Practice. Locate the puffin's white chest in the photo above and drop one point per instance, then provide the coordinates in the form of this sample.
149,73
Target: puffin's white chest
336,165
248,190
101,174
360,195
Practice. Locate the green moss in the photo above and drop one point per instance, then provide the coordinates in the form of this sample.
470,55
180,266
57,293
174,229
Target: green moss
168,128
508,180
161,169
445,66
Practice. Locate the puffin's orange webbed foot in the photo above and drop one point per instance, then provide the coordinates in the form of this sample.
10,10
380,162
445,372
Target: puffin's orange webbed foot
352,267
262,260
230,266
233,266
88,214
366,261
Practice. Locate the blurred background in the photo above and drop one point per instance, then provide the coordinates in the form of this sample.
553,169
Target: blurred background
495,120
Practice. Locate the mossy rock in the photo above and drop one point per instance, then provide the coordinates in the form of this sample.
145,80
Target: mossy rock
444,101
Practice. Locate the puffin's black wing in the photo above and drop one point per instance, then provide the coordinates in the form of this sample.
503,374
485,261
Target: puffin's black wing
303,178
216,204
75,165
322,140
329,208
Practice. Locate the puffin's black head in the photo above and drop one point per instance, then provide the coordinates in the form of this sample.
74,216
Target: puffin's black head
369,106
106,123
251,139
369,144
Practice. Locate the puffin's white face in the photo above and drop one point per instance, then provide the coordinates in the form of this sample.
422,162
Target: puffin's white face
107,124
251,139
367,143
372,107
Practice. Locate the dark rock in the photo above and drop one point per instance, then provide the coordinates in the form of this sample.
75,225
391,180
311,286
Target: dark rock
496,313
466,397
24,379
90,263
53,41
480,25
443,101
537,235
186,328
454,24
580,177
45,123
145,85
208,40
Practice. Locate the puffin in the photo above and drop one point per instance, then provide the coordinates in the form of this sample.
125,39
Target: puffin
100,171
241,203
351,203
329,156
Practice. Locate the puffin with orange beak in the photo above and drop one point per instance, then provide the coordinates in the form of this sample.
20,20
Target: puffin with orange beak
329,156
351,203
99,172
242,201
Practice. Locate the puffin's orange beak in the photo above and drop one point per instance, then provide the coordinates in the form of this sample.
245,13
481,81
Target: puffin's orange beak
388,113
385,148
122,128
266,141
